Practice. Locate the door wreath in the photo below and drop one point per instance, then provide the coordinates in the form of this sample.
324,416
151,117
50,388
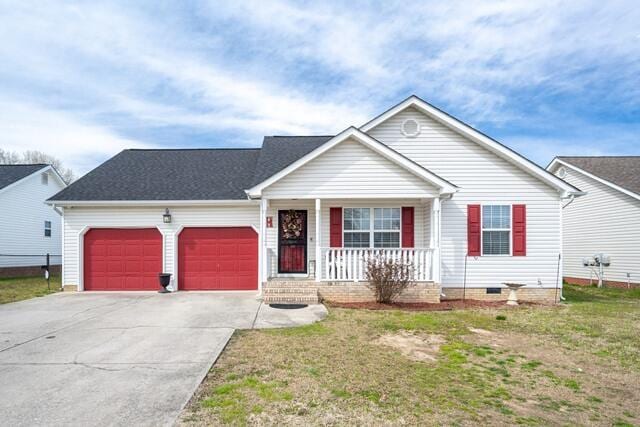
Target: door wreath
292,225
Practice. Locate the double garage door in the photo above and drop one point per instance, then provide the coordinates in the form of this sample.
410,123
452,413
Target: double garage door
208,259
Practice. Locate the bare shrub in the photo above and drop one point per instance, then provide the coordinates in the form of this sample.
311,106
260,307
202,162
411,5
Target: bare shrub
388,278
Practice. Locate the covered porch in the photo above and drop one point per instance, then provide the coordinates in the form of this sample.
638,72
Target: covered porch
331,240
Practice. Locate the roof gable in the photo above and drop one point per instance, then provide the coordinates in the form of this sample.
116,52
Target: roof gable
621,173
350,170
10,174
376,146
475,136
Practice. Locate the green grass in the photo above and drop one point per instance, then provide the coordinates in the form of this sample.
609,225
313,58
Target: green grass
578,363
21,288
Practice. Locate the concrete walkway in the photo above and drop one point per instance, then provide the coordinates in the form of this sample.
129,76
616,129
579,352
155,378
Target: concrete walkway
119,358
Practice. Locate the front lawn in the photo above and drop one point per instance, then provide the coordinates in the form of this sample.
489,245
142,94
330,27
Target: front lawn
19,288
578,363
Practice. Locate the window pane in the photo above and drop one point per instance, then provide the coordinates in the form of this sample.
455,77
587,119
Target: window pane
495,242
386,239
386,218
356,240
356,218
47,224
496,216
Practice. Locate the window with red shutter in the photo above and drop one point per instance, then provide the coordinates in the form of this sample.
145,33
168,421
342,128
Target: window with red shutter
335,227
407,226
519,230
473,230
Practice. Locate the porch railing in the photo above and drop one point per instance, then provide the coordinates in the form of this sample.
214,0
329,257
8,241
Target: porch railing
351,263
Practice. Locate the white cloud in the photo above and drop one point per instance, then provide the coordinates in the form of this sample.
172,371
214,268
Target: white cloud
79,145
251,68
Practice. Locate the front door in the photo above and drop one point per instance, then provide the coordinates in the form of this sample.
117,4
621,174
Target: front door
292,241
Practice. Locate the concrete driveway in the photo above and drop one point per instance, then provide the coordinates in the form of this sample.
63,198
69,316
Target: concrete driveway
118,358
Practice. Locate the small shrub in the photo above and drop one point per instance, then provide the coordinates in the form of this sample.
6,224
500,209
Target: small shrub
501,317
387,278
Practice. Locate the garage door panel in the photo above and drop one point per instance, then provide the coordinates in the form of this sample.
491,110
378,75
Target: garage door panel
122,259
223,258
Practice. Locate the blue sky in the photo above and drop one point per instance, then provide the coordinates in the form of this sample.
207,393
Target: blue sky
83,80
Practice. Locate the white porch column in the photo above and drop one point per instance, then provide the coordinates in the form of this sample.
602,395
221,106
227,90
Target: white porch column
262,244
435,237
318,271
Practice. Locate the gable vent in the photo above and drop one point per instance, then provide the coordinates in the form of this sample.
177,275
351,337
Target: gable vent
410,127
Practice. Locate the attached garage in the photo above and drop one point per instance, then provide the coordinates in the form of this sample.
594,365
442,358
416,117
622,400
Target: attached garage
218,258
122,259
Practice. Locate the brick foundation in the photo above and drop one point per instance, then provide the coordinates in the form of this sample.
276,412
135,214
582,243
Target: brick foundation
531,294
28,271
359,292
70,288
608,283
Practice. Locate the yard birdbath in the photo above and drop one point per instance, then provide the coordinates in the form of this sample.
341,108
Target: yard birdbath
165,279
513,289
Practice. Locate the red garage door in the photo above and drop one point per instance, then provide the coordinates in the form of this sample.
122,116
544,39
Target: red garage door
218,259
122,259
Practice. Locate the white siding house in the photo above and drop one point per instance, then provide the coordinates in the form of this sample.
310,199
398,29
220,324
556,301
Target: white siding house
413,185
604,221
30,226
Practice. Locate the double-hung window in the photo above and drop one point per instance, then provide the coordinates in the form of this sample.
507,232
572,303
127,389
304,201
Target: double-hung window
47,229
357,227
371,227
386,227
496,229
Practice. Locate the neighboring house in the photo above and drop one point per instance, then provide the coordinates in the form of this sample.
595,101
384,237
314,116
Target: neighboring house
300,215
30,228
605,221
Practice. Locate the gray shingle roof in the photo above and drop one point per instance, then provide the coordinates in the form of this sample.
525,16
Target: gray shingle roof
12,173
278,152
196,174
624,171
188,174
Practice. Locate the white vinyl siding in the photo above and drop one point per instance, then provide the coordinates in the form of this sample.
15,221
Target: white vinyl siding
350,169
78,218
604,221
483,178
22,227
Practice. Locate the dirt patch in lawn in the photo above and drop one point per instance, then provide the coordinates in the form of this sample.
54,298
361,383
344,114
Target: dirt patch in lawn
447,305
418,348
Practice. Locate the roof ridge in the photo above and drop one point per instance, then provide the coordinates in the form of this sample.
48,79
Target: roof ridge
299,136
25,164
193,149
599,157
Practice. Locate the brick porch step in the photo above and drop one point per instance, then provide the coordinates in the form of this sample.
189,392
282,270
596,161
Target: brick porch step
290,293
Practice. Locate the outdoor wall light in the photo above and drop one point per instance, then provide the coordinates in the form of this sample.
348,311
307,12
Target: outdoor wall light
166,218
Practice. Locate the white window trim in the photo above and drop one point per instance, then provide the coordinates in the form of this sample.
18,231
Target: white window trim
510,229
371,224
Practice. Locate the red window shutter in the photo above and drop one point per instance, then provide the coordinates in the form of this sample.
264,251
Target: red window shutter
335,227
473,230
407,226
519,215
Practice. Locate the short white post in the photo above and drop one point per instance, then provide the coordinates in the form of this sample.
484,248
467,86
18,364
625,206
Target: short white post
318,249
262,243
435,238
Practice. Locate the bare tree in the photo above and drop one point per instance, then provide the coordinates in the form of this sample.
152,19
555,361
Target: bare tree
33,156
